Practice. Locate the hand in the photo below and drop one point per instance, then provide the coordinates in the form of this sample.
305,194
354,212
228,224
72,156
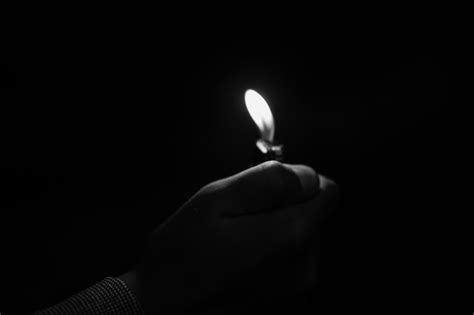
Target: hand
228,229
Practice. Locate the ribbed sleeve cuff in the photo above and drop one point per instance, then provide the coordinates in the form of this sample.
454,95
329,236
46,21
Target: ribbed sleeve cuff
110,296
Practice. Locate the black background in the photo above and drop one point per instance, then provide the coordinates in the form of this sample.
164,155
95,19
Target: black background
104,136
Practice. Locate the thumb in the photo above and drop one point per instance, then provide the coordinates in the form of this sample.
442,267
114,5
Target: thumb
268,186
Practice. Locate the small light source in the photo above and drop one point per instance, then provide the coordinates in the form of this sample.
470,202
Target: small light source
262,116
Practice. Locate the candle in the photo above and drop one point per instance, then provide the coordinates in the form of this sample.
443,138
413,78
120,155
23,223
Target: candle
265,147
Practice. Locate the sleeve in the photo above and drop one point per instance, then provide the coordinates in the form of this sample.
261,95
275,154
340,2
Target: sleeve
110,296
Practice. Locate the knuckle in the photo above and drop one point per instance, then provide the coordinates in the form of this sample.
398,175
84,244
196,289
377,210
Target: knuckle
208,189
278,181
272,166
215,188
207,198
282,182
275,172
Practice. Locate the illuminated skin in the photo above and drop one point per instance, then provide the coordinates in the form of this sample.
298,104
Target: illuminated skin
228,228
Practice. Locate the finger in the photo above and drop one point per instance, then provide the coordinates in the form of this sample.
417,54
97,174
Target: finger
299,221
290,226
267,186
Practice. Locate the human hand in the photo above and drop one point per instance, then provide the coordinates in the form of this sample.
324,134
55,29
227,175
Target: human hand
228,229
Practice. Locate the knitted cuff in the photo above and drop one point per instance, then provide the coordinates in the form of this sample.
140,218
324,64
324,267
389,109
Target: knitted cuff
110,296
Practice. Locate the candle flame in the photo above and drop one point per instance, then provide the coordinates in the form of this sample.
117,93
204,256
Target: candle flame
261,114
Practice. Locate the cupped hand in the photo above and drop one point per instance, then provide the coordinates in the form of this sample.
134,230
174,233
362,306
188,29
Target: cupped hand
217,242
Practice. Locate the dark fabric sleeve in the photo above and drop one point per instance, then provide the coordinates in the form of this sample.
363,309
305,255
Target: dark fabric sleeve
110,296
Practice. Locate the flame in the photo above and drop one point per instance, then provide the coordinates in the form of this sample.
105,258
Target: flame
261,114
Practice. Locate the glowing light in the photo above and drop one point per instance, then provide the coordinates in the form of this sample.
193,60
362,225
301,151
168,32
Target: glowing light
261,114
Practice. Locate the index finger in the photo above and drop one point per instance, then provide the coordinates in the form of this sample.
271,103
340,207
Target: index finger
268,186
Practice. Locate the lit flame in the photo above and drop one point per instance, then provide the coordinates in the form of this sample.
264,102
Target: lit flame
261,114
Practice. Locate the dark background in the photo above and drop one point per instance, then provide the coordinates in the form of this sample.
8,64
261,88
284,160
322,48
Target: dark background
104,136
